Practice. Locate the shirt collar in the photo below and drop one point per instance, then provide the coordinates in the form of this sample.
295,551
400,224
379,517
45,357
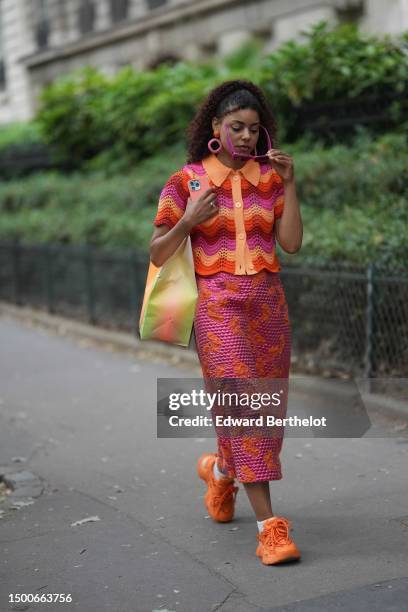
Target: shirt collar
218,172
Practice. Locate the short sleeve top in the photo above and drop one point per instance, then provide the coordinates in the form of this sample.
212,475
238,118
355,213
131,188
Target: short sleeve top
240,238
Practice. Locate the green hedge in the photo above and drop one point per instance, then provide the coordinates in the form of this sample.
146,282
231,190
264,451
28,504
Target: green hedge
117,122
336,62
93,122
19,133
90,121
127,133
114,122
353,203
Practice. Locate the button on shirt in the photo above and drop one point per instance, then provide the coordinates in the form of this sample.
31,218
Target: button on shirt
218,174
240,237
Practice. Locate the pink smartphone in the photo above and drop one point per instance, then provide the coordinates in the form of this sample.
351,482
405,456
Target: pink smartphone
198,186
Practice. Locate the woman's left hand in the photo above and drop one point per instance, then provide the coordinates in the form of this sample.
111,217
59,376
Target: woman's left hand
282,163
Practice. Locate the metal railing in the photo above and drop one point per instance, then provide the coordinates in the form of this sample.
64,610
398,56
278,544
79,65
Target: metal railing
82,282
344,319
349,319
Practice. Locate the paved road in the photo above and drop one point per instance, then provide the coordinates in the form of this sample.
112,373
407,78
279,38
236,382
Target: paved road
83,419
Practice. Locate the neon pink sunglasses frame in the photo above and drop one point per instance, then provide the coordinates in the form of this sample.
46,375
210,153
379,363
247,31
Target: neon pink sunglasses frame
256,157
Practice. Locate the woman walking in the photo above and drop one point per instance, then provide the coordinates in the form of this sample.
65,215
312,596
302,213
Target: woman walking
241,324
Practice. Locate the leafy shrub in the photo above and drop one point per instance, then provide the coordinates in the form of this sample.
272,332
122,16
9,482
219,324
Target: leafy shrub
333,62
68,117
22,150
18,133
122,119
353,203
131,115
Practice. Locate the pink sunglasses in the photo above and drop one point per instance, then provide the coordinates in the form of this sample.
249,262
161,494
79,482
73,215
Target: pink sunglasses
236,155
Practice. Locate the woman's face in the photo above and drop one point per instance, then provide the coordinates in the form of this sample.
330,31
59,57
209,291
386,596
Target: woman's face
243,126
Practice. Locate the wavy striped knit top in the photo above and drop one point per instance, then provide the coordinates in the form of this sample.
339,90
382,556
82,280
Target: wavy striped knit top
240,238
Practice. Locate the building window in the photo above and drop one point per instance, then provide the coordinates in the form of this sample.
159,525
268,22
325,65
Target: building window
152,4
42,26
86,16
119,10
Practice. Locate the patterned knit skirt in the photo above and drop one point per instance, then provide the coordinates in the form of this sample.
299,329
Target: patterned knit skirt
242,331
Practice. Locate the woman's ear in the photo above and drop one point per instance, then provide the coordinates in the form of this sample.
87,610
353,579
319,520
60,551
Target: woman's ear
216,124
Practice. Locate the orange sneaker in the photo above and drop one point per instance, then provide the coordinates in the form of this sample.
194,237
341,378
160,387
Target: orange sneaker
275,545
221,494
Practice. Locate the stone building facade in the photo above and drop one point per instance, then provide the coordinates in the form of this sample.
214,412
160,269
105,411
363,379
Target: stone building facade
42,39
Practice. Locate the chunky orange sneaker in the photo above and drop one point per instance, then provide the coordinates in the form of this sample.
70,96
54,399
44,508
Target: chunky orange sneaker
275,545
221,494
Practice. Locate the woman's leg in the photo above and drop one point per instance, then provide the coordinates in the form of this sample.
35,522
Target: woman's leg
260,499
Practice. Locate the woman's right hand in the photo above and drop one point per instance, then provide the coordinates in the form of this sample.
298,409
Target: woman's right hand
201,210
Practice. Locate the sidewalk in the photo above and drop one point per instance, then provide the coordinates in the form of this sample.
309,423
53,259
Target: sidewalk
160,352
81,417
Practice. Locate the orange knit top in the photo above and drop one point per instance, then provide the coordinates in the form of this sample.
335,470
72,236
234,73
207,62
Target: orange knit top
240,238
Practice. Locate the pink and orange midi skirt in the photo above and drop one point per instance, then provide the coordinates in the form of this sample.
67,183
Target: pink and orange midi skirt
242,331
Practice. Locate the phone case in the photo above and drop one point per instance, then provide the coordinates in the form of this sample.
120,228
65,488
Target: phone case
197,186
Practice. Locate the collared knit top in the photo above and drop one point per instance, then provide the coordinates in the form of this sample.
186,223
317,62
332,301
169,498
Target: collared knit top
240,237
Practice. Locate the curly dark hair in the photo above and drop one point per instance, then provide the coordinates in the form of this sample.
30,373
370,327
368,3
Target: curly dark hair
223,99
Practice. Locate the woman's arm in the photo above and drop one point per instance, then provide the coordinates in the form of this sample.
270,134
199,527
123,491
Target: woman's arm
165,241
289,227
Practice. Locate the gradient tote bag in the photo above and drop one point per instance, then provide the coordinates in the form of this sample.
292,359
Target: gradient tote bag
170,298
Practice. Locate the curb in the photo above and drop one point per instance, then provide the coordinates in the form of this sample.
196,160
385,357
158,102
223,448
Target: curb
185,357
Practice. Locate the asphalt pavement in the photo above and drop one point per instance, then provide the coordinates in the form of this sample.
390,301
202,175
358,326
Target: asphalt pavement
114,517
